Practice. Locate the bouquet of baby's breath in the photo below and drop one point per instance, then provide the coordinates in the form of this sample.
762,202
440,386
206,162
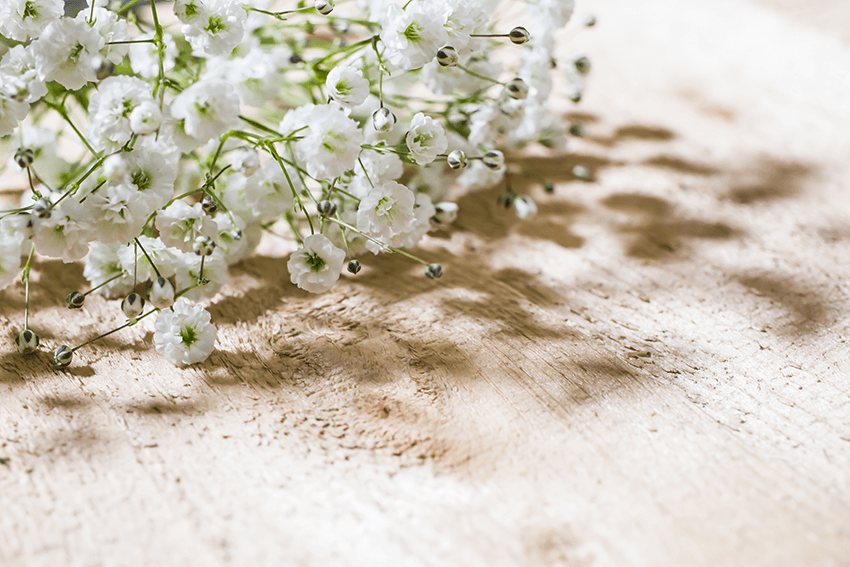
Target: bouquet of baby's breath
202,124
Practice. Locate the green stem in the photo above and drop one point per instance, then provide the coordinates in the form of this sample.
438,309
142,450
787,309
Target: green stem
125,325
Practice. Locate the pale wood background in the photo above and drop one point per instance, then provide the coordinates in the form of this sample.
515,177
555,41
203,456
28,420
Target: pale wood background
653,372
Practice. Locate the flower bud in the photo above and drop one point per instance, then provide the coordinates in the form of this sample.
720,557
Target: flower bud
582,64
494,159
24,157
577,130
517,89
236,234
447,56
524,206
590,21
581,172
209,204
63,355
41,209
326,208
26,342
548,186
161,293
384,120
133,305
204,245
506,199
75,300
519,35
324,7
434,271
354,267
446,213
246,161
575,96
145,118
457,160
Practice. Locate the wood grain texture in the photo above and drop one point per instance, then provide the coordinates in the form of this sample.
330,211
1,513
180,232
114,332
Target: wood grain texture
653,372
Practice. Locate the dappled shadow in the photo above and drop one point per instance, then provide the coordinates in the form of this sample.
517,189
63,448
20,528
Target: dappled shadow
633,132
774,180
804,309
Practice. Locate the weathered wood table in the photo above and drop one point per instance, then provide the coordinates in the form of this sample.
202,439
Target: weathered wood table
654,371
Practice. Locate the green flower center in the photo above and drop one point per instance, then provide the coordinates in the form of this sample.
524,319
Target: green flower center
141,180
215,25
315,262
188,335
413,32
29,11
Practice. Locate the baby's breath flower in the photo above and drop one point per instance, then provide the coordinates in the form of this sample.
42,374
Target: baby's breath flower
184,334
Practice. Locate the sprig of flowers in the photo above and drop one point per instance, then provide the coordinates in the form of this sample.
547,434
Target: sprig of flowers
245,118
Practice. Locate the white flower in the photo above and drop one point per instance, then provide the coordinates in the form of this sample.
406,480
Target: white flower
133,259
387,210
189,269
21,75
426,139
145,118
24,19
268,192
231,239
422,211
144,59
524,206
107,24
10,261
69,53
331,143
102,264
64,234
180,224
315,267
463,17
152,176
17,228
347,86
246,161
12,111
116,213
204,111
184,334
413,36
212,27
111,109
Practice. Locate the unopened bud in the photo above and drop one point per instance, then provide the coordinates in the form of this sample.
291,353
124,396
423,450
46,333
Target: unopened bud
446,213
384,120
577,130
457,160
519,35
161,293
506,199
133,305
326,208
524,206
75,300
324,7
354,267
209,204
434,271
27,342
447,56
581,172
41,209
494,159
63,355
24,157
204,245
582,64
517,89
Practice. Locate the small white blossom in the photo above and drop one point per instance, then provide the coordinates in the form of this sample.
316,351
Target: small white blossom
347,86
387,210
145,118
413,36
184,334
12,111
112,29
268,192
330,145
246,161
189,270
204,111
10,261
212,27
180,224
133,260
111,110
316,266
64,233
24,19
21,75
426,139
102,264
69,53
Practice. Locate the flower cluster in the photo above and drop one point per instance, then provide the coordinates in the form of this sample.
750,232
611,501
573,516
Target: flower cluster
343,125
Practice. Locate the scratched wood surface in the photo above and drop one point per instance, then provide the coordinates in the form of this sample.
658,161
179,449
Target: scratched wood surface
652,372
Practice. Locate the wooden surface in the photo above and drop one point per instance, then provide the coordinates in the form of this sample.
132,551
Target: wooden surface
652,372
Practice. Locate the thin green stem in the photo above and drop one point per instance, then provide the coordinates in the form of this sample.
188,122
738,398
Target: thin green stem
106,334
145,252
25,277
482,77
